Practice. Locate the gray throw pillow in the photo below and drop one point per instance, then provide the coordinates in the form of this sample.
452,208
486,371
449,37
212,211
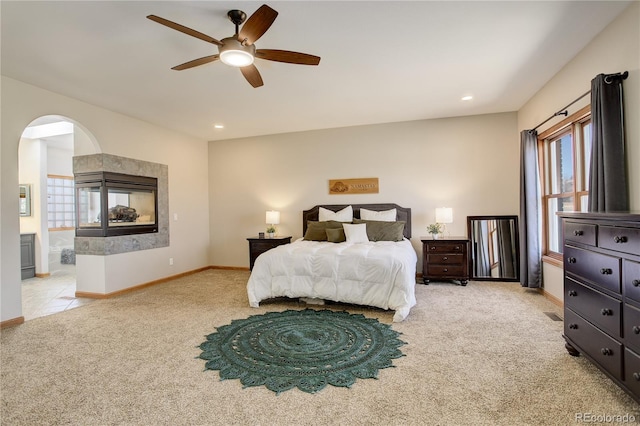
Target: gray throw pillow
336,235
317,231
383,231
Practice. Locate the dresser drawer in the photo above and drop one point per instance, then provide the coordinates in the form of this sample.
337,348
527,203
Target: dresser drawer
583,233
626,240
602,310
631,327
445,248
632,371
449,259
444,271
600,269
606,351
631,279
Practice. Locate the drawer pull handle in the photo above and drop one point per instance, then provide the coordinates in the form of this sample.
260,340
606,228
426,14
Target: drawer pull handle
578,232
606,351
457,248
433,248
445,270
636,376
573,293
636,329
606,312
573,326
635,283
445,258
606,271
619,240
572,260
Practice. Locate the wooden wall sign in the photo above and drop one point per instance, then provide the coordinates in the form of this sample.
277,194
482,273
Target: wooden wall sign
353,186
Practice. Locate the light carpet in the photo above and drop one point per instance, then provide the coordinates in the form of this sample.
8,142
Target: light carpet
484,354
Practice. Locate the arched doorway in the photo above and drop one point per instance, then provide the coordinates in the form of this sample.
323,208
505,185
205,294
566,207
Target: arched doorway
46,151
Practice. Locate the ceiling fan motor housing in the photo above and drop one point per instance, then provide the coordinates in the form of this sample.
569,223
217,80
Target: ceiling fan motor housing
236,16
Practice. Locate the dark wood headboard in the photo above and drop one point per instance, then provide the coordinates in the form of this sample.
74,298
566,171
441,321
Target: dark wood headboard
402,213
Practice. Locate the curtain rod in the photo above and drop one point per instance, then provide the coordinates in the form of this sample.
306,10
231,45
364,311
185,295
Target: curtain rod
563,111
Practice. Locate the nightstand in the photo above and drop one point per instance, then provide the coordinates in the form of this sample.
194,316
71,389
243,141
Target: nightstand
445,258
257,246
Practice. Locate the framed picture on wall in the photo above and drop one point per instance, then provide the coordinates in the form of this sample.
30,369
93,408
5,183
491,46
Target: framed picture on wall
25,200
353,186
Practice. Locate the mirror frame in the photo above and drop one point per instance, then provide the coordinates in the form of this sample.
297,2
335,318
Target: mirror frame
25,200
516,242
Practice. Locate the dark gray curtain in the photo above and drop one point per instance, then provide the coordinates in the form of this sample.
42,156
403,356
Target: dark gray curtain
482,264
530,255
506,249
608,190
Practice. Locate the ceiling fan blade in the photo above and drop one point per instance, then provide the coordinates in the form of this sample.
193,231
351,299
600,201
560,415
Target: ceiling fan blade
185,30
196,62
287,56
252,75
257,24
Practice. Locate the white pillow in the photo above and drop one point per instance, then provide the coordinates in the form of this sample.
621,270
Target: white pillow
356,233
383,216
344,215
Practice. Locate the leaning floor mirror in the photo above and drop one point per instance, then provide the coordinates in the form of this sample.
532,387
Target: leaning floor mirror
494,248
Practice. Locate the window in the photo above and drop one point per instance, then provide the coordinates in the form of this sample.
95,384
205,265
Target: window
565,153
493,244
60,203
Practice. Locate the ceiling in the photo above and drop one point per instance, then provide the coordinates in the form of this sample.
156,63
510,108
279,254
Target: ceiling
382,61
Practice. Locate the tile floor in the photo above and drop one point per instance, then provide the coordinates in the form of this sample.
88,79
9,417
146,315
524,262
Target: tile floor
50,295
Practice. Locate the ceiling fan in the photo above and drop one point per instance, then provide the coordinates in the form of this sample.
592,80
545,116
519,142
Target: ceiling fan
239,50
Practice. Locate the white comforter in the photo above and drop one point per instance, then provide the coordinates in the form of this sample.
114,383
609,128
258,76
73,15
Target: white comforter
380,274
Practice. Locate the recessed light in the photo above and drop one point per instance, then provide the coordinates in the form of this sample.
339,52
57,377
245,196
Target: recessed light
219,126
467,98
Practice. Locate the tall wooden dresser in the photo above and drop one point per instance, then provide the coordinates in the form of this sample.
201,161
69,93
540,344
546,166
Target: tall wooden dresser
602,293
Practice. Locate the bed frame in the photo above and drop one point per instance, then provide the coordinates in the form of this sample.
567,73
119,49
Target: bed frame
403,213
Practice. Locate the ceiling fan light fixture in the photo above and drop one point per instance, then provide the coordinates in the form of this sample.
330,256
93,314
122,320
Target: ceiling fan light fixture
235,54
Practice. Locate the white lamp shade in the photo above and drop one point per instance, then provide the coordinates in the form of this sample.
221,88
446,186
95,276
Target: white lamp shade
444,215
273,217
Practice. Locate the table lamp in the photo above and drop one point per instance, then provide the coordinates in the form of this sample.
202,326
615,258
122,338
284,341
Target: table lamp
272,219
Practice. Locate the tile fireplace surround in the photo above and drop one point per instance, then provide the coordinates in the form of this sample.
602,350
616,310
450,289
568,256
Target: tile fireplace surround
104,246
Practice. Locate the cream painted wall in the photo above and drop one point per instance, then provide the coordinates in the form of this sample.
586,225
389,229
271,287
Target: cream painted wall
35,157
29,174
468,163
615,49
59,161
118,135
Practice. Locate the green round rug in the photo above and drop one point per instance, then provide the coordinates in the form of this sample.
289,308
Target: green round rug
307,349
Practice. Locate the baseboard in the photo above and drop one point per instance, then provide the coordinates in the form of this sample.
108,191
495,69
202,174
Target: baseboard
45,275
230,268
551,298
12,322
90,295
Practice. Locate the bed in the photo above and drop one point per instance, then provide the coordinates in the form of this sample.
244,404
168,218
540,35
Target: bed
377,270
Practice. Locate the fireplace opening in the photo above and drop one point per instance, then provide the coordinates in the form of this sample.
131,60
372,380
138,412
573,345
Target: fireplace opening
110,204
